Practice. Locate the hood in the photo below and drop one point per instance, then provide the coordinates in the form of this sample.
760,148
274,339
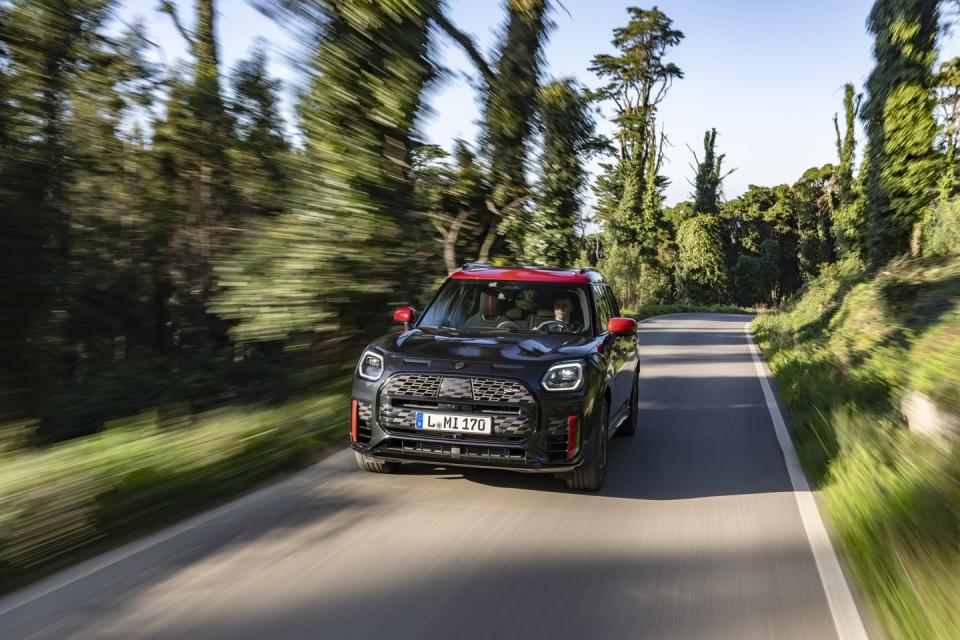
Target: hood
520,348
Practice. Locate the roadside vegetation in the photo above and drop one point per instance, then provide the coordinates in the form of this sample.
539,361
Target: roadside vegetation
142,471
846,352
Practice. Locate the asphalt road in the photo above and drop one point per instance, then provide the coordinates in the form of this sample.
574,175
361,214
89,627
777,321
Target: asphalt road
696,535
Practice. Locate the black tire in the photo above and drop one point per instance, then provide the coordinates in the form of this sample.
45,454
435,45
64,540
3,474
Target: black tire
589,475
629,426
375,466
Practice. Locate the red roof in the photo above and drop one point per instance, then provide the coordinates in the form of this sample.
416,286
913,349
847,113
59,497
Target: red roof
526,274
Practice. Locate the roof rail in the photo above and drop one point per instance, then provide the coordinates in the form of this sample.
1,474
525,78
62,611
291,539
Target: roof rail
475,265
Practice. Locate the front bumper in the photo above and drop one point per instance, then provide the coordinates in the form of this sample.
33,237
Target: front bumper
542,448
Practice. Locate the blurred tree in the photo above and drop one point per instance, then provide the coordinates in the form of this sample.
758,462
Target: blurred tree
321,275
947,82
898,113
452,196
846,219
568,137
64,86
195,139
259,159
510,104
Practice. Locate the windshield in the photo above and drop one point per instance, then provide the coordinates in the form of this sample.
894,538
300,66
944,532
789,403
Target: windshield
476,306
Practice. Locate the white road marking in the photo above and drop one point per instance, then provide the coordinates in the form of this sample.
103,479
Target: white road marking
846,616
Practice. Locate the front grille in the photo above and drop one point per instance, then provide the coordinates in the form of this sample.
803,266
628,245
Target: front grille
509,402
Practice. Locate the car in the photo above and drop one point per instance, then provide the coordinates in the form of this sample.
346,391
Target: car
522,368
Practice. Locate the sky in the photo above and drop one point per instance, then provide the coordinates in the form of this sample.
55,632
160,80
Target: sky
768,75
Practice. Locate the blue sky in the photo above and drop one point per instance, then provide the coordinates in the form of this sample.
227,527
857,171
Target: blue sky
768,75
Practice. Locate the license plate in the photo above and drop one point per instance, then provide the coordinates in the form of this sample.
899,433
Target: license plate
455,422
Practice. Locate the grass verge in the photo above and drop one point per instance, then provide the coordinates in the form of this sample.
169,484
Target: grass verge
844,353
650,310
58,501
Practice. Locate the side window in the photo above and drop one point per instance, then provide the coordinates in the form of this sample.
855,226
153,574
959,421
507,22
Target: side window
614,307
603,307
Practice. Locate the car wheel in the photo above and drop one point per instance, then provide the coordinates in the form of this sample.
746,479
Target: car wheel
589,475
375,466
629,426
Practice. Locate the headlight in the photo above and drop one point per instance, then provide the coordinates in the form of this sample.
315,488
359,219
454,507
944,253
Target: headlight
563,377
371,365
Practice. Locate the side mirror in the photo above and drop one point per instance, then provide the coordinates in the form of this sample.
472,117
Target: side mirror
622,326
404,315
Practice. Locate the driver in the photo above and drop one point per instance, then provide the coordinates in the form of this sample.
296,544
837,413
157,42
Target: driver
563,307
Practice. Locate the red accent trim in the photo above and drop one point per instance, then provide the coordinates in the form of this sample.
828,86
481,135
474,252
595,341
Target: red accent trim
353,420
572,444
622,326
524,275
403,314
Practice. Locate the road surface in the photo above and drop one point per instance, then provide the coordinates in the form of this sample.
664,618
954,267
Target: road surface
697,534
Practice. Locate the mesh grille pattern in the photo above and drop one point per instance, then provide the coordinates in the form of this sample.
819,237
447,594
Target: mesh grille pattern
424,386
497,390
364,412
458,388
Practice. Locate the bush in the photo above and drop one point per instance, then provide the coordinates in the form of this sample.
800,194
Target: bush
940,229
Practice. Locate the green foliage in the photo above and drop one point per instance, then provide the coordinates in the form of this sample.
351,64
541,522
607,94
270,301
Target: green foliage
940,229
708,182
510,104
630,190
354,200
636,279
844,354
259,158
701,271
143,471
903,167
568,137
947,84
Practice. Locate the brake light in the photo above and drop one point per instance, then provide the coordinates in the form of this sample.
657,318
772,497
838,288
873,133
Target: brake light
353,420
572,444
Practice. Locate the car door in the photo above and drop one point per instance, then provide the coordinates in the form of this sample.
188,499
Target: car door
613,346
627,350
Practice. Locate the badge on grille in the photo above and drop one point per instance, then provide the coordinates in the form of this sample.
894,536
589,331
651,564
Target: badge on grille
459,365
455,388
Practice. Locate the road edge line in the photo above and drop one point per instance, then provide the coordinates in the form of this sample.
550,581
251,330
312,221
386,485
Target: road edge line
843,608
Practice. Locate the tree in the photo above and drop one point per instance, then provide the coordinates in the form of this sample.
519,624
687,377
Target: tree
846,217
194,142
709,176
898,114
701,272
568,136
636,81
509,107
259,159
947,83
320,276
